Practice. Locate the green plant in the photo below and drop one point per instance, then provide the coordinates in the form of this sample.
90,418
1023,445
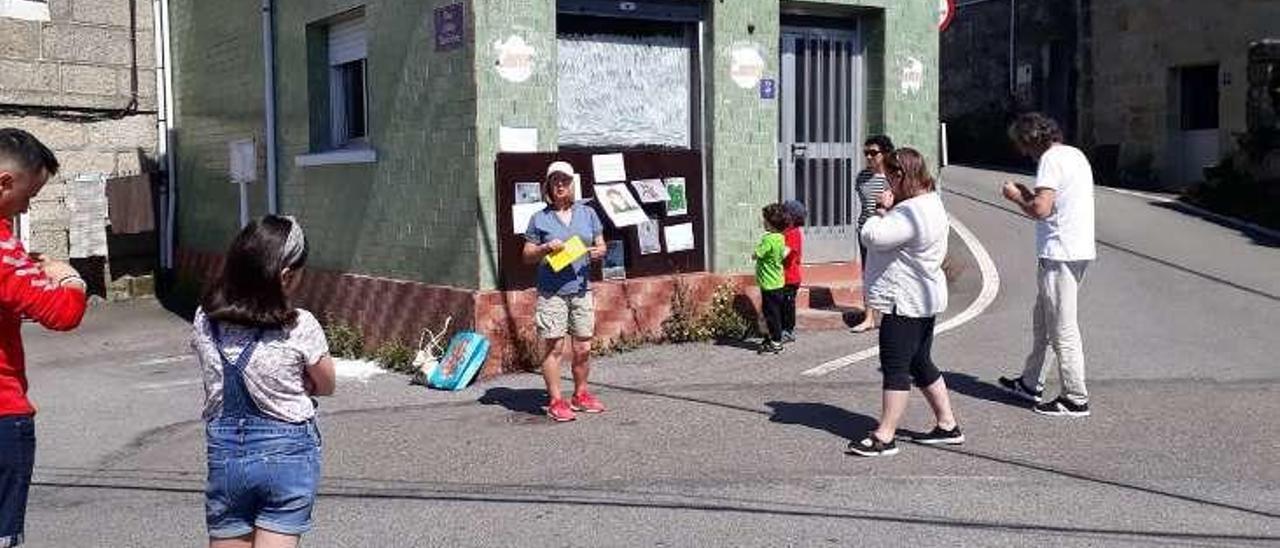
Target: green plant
395,355
684,324
345,340
722,320
527,355
624,342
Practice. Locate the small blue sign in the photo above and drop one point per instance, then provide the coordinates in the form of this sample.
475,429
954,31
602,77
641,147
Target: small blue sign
768,88
450,30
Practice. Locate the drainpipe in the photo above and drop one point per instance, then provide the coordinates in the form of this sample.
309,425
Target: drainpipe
1013,27
269,98
164,127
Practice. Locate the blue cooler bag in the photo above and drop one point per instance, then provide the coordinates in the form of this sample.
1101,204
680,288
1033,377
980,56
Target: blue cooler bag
460,363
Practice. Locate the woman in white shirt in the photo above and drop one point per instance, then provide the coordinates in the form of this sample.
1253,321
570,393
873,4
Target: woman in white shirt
906,242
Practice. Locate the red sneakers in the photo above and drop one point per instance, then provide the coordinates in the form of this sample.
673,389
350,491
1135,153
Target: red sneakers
559,411
586,403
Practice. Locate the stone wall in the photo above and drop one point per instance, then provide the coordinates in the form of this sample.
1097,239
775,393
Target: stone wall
1135,49
84,84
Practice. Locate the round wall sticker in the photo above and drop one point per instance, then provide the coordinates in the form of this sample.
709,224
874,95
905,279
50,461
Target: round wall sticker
515,59
746,66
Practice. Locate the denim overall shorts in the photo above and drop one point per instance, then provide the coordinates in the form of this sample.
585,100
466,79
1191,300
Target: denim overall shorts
263,472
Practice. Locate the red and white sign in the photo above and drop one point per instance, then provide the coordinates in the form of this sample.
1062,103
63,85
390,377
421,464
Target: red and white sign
946,12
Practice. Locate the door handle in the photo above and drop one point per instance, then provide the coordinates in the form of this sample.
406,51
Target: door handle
799,150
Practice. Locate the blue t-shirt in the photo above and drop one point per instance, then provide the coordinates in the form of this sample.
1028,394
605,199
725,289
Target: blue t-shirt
546,226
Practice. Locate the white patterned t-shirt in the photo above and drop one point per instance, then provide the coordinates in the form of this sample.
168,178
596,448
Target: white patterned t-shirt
274,374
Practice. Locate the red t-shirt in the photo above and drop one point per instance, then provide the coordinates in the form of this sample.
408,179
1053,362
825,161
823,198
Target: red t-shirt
791,263
26,292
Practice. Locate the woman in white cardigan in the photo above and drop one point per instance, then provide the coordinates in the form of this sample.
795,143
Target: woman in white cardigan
906,242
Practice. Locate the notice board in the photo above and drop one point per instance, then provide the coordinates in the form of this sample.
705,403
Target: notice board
512,169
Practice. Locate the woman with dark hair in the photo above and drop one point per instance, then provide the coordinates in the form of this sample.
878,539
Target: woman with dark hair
906,241
869,184
262,361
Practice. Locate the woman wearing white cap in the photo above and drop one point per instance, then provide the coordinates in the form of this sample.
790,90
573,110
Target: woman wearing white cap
565,305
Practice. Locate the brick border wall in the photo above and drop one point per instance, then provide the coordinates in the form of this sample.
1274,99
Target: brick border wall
387,309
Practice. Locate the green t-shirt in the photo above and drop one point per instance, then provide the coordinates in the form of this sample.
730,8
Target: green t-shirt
769,261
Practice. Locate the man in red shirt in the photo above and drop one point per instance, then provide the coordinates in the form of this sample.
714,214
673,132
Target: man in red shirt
31,287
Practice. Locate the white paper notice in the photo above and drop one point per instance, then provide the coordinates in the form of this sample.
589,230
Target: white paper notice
608,168
521,213
243,161
517,139
679,237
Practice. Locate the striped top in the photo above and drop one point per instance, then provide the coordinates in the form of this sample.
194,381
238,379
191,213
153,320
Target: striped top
868,185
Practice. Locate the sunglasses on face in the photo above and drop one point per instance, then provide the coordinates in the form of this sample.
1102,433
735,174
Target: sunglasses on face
560,183
871,152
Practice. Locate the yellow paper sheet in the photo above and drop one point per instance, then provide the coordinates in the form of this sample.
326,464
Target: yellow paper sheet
572,249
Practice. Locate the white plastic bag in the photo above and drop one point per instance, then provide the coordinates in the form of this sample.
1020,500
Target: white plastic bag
429,352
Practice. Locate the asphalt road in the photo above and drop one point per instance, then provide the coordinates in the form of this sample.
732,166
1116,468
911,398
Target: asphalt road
710,445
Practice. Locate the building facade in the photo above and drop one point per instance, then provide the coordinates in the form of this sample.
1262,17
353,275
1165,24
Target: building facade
400,128
81,76
1154,90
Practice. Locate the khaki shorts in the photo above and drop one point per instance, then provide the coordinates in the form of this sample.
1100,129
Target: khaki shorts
559,314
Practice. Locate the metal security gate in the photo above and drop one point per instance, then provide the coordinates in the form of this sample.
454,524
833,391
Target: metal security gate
821,127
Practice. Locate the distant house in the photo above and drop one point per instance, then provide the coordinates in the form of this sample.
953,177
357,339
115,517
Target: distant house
1154,90
82,78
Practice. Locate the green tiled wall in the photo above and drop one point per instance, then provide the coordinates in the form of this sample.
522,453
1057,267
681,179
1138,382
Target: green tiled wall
743,166
218,79
528,104
409,215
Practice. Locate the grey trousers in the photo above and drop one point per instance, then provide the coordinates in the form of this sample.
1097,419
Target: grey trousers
1054,325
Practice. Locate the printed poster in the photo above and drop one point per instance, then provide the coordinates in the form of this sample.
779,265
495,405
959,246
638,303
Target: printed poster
619,205
647,233
528,193
678,204
615,259
651,190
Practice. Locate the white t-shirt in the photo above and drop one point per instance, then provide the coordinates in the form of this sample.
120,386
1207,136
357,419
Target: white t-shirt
905,250
1067,233
273,376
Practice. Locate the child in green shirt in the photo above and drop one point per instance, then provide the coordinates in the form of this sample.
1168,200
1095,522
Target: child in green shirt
768,257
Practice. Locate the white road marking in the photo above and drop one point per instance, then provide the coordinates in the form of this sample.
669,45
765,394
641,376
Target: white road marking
990,288
167,385
1143,195
164,360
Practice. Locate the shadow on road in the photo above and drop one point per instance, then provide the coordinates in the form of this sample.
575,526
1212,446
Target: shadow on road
744,344
974,387
1258,237
521,400
820,416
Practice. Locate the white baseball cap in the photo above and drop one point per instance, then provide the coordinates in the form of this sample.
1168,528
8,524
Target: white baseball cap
562,167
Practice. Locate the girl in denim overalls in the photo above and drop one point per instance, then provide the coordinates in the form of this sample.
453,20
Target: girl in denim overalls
262,361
